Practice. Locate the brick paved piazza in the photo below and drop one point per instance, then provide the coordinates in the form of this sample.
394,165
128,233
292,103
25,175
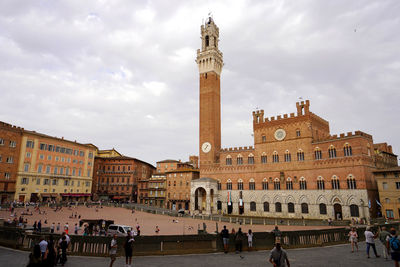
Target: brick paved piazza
334,256
147,221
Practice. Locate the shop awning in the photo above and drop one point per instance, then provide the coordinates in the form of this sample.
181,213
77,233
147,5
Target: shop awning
75,195
120,197
45,195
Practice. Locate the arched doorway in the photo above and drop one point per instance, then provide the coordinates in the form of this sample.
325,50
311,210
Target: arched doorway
230,208
200,199
338,211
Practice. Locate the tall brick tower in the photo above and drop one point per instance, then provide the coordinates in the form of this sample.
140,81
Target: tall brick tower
210,62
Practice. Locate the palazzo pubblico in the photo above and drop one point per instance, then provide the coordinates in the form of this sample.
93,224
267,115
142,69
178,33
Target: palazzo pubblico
295,168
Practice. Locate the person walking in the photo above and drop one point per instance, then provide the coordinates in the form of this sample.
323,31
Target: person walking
128,246
239,240
35,226
394,244
278,256
353,238
384,237
52,228
277,234
35,257
39,226
66,228
250,239
76,229
225,238
43,246
63,248
369,239
51,253
113,250
58,227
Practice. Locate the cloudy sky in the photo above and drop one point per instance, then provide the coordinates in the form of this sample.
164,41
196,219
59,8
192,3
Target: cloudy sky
122,73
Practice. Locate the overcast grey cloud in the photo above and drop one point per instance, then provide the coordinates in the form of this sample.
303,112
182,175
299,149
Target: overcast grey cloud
122,73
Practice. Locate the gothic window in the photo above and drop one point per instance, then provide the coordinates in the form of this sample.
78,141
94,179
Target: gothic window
289,184
320,183
219,186
228,160
351,182
239,160
263,158
303,183
266,206
354,212
322,208
275,157
304,208
318,153
347,150
252,185
253,206
207,40
265,184
288,157
229,185
290,207
278,207
300,155
264,138
240,184
298,134
277,184
332,152
250,159
335,182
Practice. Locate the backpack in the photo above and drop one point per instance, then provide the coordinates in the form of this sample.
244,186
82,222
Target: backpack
394,243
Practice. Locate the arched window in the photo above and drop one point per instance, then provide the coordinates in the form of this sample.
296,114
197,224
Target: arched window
335,182
263,158
239,160
240,184
252,185
289,184
265,184
303,183
290,207
228,160
277,184
250,159
351,182
253,206
263,138
300,155
332,152
207,40
275,157
278,207
347,150
298,133
304,208
317,153
266,206
354,212
219,186
320,183
322,208
229,185
288,157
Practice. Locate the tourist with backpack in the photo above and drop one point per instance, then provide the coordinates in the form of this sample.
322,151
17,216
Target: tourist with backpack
384,237
394,243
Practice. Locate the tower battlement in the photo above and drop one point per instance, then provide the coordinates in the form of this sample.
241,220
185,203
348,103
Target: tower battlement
237,149
336,137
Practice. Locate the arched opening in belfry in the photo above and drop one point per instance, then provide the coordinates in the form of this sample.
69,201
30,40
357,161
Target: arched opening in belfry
200,199
207,40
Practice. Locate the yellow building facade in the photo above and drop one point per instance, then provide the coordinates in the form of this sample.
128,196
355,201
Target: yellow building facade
53,168
389,191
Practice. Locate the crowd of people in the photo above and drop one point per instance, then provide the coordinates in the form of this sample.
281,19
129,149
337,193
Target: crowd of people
49,253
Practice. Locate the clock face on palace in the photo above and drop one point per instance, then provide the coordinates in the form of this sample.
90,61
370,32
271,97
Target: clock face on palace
280,134
206,147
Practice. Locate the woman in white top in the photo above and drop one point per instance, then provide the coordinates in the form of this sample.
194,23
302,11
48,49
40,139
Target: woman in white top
250,239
